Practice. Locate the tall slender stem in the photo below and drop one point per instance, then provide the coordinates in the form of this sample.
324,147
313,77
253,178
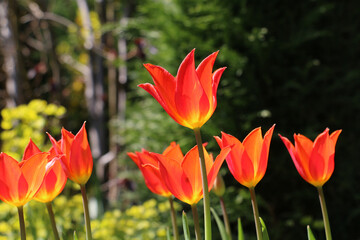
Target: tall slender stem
196,222
86,212
324,213
207,216
226,218
52,220
173,219
22,223
256,214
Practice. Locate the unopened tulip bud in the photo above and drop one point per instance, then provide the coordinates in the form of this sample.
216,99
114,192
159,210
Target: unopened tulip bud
219,186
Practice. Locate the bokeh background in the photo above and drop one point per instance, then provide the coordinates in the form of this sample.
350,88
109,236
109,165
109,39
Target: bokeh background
295,64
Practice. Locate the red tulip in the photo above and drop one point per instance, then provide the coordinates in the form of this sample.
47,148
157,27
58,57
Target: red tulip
182,175
190,97
149,166
55,178
247,161
19,181
76,158
313,160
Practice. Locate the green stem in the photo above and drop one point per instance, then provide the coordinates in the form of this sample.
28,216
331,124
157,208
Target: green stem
226,218
52,220
207,216
324,213
86,212
256,214
196,222
173,219
22,222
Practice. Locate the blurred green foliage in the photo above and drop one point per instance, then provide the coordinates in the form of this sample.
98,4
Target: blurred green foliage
27,121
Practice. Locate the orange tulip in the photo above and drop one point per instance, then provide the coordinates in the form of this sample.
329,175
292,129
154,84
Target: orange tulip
190,97
19,181
55,178
149,166
76,158
247,161
313,160
182,175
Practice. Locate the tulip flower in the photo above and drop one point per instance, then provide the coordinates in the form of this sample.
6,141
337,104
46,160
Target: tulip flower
149,167
247,162
19,181
190,97
313,160
75,152
53,183
315,163
182,176
77,162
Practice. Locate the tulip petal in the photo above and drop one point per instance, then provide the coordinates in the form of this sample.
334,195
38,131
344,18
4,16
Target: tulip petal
233,160
153,180
135,158
82,162
253,144
190,98
264,154
173,151
167,103
175,179
204,72
30,150
217,165
216,80
191,167
34,170
320,156
302,169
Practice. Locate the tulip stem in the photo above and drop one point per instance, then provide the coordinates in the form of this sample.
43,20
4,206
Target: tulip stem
207,216
196,221
173,219
226,218
22,222
86,212
324,213
52,220
256,214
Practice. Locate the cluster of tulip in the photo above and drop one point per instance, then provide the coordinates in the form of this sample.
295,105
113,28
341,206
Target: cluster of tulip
190,99
42,175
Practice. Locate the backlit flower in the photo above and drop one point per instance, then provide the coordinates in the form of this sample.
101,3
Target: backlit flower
190,97
19,181
149,166
247,161
76,158
313,160
182,175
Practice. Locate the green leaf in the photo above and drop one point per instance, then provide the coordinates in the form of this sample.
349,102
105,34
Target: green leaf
224,235
185,226
264,230
240,230
75,236
310,234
